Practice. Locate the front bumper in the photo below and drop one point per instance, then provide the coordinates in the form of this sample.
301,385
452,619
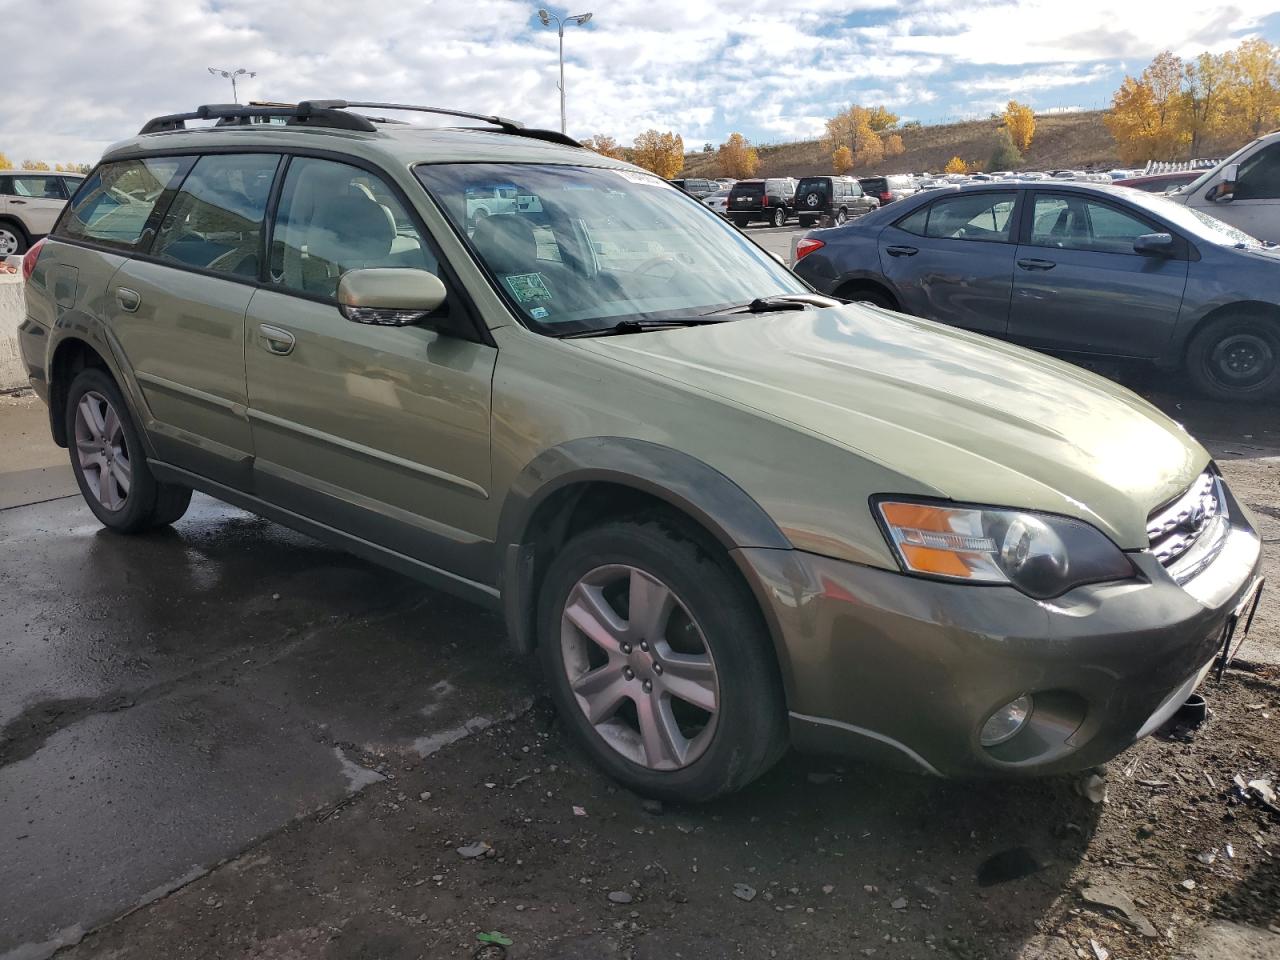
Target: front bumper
906,670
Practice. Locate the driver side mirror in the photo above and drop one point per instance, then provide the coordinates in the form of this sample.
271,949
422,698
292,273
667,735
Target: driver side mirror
1225,189
389,296
1155,245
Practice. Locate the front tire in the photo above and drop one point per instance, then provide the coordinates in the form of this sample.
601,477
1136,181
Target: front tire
109,460
659,662
1236,357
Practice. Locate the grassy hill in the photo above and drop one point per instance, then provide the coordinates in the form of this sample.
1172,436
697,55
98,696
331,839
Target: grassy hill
1072,140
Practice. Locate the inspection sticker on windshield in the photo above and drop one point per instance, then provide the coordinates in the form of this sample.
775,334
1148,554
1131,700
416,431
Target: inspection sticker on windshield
528,287
641,178
539,313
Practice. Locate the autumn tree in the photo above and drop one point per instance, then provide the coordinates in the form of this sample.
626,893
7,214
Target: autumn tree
34,165
842,160
955,165
1005,155
1020,122
737,158
893,145
605,146
1254,69
660,153
859,129
1147,112
879,119
5,162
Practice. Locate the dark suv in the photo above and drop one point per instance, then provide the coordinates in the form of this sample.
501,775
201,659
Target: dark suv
772,201
890,188
836,197
696,186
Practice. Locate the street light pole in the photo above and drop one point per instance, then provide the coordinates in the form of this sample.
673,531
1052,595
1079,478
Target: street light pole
231,75
546,19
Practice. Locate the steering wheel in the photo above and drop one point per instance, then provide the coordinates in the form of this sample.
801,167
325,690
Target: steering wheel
664,259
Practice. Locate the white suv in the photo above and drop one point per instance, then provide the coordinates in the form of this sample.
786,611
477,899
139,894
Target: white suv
30,201
1243,190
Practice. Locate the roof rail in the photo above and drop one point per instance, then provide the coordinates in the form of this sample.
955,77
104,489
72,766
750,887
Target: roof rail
336,114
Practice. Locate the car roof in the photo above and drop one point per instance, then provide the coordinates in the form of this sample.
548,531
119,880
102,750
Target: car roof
376,139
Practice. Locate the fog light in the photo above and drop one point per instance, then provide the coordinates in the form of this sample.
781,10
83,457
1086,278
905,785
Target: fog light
1005,723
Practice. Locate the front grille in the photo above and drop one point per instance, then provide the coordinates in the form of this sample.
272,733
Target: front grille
1174,528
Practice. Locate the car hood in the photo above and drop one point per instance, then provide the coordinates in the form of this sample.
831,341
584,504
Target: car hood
963,416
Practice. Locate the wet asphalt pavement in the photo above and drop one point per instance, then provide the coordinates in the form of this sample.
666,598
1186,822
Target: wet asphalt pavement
168,700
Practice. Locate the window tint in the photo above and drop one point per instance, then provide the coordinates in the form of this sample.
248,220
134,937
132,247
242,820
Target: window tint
1260,176
215,221
115,204
333,218
35,186
72,184
916,222
973,216
1074,223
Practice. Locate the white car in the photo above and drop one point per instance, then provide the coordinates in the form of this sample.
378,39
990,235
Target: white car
718,201
1243,190
30,201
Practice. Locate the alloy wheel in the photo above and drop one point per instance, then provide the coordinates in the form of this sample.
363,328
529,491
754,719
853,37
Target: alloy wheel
102,451
639,667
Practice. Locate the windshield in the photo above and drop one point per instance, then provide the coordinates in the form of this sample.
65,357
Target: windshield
1194,222
583,248
1205,177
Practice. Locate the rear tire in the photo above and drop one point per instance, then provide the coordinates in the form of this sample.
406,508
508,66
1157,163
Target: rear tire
779,217
1236,357
710,721
110,462
842,217
13,239
741,222
876,298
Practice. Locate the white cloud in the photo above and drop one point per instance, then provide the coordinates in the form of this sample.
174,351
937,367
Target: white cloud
700,67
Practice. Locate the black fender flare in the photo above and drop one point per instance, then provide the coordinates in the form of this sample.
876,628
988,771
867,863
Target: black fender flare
687,484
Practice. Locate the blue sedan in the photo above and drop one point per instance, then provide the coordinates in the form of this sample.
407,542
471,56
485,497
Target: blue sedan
1070,268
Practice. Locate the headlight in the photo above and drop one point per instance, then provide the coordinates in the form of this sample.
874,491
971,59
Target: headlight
1040,554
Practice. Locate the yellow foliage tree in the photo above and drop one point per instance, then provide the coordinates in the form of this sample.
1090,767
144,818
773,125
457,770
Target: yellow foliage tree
955,165
605,146
34,165
1254,69
842,159
893,146
1146,117
5,162
737,158
1205,95
661,153
853,128
880,119
1020,121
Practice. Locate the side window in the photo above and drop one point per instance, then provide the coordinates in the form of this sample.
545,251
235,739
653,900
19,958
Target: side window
114,206
973,216
1260,176
37,187
915,222
333,218
1071,223
72,184
215,221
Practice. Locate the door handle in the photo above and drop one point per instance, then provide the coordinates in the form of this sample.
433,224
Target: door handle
901,251
18,203
129,300
277,341
1034,264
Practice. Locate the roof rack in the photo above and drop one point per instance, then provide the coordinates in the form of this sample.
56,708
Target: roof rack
336,114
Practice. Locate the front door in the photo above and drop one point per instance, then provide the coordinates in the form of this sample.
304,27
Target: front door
381,432
180,316
1079,286
34,199
952,260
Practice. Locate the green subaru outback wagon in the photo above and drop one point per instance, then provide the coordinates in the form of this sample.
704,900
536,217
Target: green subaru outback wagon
727,514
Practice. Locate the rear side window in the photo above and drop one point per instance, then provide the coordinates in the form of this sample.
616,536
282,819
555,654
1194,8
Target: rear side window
215,221
1260,176
334,217
974,216
114,207
34,185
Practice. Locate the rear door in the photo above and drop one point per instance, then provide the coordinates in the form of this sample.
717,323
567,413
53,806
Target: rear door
35,199
178,309
1079,286
952,260
375,430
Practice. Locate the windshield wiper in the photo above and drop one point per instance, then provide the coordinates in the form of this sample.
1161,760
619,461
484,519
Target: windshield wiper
642,326
786,301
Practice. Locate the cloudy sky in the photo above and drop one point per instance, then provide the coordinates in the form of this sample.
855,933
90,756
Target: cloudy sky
771,70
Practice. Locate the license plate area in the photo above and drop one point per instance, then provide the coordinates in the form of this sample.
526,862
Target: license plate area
1244,612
